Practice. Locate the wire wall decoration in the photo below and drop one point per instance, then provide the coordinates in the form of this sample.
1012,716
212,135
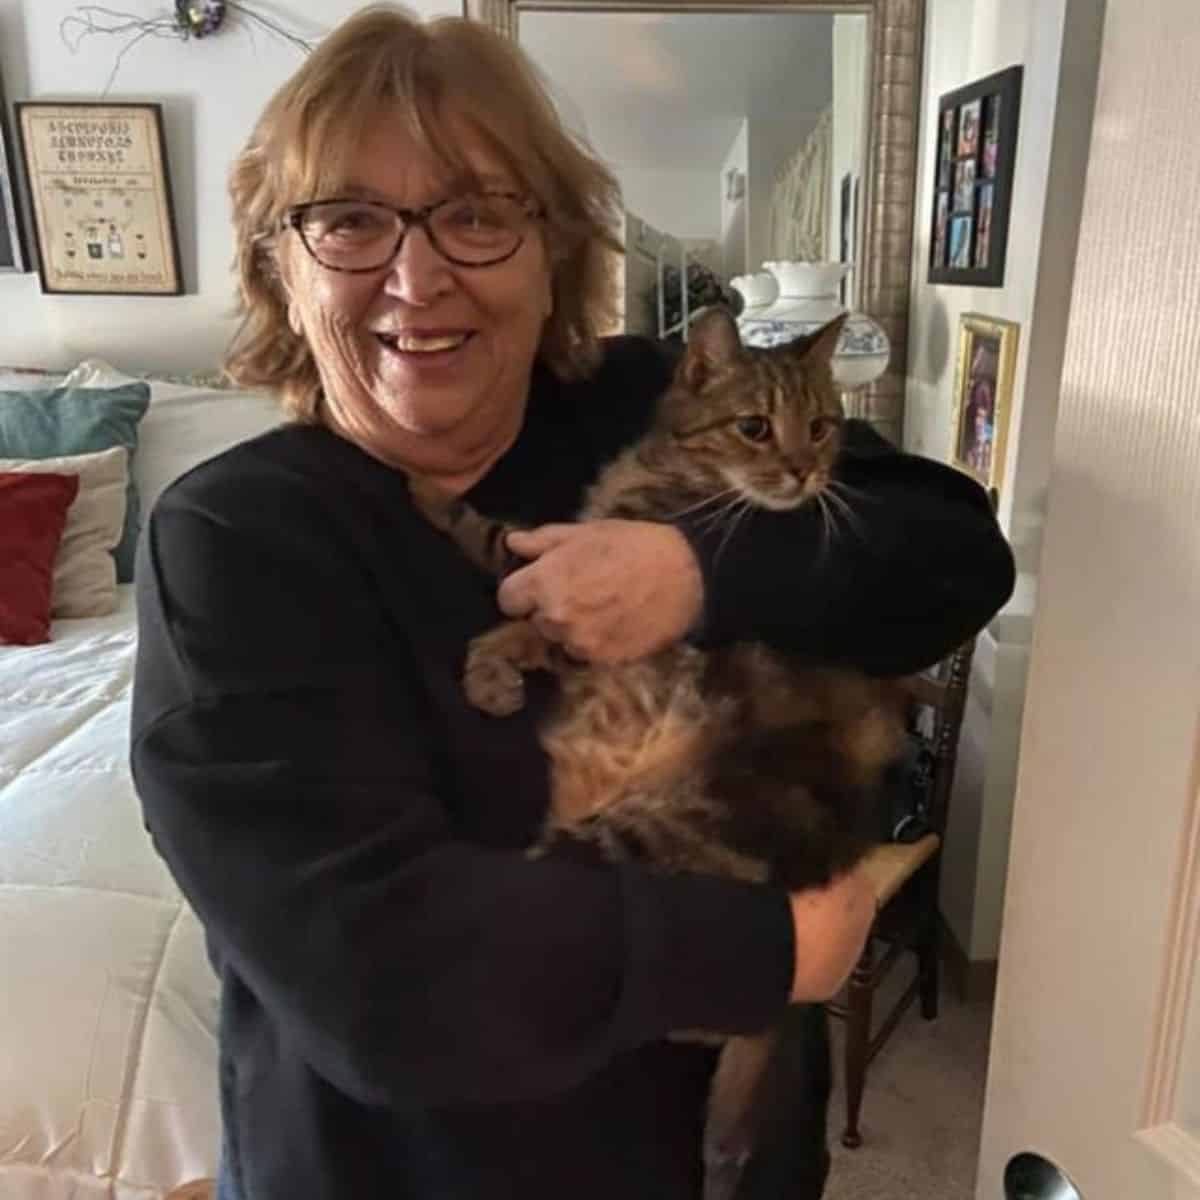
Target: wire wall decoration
189,19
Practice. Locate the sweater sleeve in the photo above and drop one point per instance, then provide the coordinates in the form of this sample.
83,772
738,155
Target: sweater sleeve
904,563
285,778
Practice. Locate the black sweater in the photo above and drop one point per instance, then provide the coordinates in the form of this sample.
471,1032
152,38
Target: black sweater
410,1007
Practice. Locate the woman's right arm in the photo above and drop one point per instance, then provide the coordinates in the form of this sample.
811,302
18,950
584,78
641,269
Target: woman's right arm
286,779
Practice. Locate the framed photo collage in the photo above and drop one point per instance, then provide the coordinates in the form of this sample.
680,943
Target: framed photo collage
976,150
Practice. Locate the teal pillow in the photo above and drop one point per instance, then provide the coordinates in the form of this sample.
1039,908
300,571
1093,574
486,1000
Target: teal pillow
50,422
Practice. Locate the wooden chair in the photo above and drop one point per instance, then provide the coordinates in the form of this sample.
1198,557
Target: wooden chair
906,877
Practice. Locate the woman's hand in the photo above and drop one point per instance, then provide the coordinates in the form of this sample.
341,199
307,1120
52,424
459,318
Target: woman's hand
831,926
607,591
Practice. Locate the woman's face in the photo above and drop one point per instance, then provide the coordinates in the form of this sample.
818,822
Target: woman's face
424,364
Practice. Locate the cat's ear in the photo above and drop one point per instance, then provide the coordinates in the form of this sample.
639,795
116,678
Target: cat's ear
820,345
713,342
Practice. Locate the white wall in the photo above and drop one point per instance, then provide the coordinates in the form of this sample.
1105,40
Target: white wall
1057,41
735,214
212,91
771,143
686,204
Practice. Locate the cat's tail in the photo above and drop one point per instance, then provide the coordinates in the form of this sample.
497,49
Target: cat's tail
735,1101
722,1175
787,1145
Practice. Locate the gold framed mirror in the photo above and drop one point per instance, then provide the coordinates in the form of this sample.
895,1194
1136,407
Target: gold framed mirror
884,229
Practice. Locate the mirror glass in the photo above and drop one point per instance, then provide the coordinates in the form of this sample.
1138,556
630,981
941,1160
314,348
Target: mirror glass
738,139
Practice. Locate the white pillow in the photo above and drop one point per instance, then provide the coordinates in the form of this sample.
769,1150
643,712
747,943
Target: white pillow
184,425
85,572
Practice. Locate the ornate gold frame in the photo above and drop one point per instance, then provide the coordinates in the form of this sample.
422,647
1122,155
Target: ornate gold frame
883,280
1007,334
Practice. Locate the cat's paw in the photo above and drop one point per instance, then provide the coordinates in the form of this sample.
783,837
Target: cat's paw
494,685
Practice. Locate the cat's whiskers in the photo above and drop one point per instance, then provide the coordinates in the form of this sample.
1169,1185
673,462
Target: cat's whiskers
700,504
828,529
714,519
839,505
848,492
739,515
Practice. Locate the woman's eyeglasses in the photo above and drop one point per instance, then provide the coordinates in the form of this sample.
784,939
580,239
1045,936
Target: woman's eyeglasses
471,230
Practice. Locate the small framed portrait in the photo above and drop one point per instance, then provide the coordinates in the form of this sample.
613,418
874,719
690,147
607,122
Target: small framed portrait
964,187
100,192
960,242
949,130
941,228
983,226
968,128
990,152
991,136
946,149
979,122
983,387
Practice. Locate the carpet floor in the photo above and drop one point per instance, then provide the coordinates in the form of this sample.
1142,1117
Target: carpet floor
922,1110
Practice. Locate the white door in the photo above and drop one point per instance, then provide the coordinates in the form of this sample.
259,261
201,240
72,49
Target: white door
1095,1057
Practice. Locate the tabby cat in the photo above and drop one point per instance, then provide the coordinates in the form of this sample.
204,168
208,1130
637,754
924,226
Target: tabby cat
737,761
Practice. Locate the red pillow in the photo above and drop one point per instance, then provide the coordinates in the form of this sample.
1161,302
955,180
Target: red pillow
33,511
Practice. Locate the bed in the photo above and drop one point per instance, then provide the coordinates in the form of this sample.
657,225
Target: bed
107,1002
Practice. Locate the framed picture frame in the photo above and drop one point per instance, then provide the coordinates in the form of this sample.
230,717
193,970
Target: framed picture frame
973,177
983,389
14,257
100,194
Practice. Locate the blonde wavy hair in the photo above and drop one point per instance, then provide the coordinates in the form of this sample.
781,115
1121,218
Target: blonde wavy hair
438,77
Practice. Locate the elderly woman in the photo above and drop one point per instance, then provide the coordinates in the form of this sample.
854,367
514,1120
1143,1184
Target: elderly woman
411,1006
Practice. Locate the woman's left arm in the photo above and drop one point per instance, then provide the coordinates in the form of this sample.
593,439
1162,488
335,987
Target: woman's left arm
901,565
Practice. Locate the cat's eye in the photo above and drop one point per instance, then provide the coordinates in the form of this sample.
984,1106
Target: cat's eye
819,428
754,429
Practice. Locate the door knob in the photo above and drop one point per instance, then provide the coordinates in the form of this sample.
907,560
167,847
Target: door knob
1029,1176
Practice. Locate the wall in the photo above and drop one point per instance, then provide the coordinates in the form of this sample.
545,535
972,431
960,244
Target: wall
686,203
771,143
212,91
735,214
1057,41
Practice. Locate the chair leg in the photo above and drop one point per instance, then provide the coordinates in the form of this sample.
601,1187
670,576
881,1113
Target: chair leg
858,1041
929,952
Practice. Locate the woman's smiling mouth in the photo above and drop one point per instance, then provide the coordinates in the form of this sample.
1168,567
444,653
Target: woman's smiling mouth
411,342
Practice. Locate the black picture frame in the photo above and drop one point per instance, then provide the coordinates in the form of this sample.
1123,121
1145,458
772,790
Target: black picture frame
974,156
14,253
110,253
848,235
846,230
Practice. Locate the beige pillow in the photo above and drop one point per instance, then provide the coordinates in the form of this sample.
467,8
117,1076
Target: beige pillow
85,572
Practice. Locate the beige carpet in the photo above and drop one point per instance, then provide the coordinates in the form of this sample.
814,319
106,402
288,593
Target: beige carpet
922,1110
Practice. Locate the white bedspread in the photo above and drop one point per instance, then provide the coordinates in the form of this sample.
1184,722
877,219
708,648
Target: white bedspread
107,1002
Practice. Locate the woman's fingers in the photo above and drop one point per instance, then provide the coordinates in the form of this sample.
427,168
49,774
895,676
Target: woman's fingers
609,590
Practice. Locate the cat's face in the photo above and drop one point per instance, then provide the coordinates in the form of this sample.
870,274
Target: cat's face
764,422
